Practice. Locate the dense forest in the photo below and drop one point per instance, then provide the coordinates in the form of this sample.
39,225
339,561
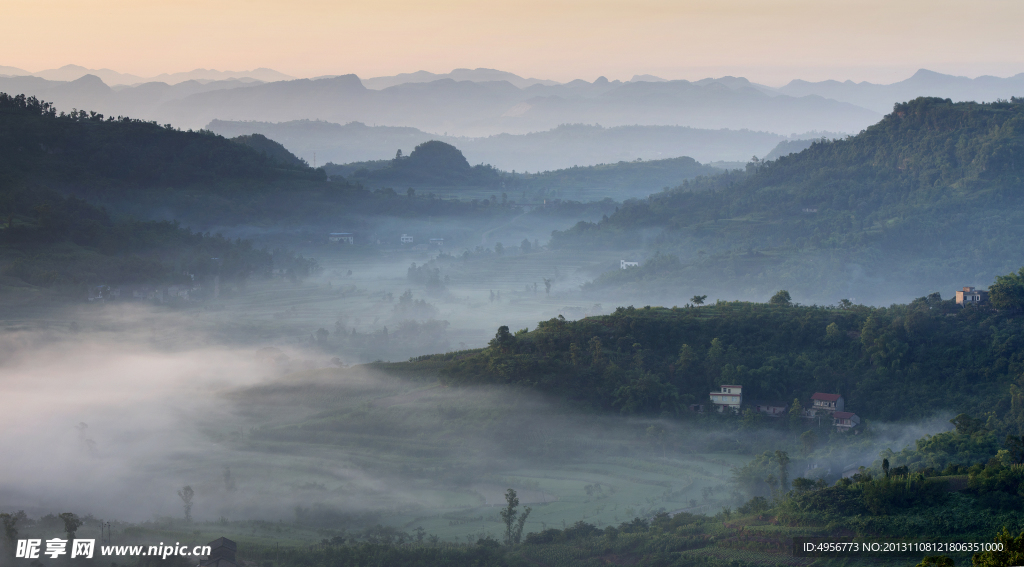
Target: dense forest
902,362
51,236
929,194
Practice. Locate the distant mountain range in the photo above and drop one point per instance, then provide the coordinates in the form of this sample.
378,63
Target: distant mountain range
463,108
485,102
561,147
111,77
478,75
881,98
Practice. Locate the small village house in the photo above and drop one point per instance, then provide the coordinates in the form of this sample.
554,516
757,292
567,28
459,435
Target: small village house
971,296
342,237
623,264
845,421
771,409
437,242
406,239
826,402
222,554
730,397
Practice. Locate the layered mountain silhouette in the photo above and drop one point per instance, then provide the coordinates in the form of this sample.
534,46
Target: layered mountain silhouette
465,108
111,77
484,102
564,146
881,98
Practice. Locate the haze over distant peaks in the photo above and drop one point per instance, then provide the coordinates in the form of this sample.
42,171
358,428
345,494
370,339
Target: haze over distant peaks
478,75
880,98
647,79
111,77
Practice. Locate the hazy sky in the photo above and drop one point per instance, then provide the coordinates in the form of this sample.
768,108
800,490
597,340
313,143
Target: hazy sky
770,41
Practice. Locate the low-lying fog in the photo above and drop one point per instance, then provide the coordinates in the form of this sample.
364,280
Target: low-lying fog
114,419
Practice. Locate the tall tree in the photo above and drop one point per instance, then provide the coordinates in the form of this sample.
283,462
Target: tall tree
513,520
71,524
783,458
186,494
1008,292
781,297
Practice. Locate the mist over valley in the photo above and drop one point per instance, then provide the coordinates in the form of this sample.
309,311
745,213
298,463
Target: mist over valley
475,318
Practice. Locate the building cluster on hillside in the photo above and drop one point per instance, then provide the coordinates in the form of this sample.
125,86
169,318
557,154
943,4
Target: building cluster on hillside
822,408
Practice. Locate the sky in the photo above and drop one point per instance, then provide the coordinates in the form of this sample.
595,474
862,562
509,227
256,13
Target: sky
769,41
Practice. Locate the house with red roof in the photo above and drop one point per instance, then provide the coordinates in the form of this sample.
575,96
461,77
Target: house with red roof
844,420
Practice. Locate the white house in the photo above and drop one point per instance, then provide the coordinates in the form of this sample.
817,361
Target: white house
406,239
827,402
971,296
624,264
437,242
730,396
345,237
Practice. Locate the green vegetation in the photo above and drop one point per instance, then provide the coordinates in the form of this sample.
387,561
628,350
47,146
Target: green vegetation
135,167
930,193
273,150
903,362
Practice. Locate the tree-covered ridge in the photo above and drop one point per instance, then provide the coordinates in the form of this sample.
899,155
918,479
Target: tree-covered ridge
438,164
430,164
274,150
926,151
903,362
82,148
934,188
49,238
134,168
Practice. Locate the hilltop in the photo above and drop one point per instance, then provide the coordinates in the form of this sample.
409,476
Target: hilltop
927,197
438,165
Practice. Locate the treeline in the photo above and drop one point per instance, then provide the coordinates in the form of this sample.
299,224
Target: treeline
80,149
903,362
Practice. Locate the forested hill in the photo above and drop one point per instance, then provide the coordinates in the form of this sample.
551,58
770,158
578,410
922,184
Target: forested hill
272,149
85,149
904,362
49,239
436,164
931,196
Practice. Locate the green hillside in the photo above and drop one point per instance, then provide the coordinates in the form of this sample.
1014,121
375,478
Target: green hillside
51,238
87,150
904,362
145,170
931,196
271,149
